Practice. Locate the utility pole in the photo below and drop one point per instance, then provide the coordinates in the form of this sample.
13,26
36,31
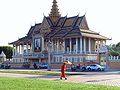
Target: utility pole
49,44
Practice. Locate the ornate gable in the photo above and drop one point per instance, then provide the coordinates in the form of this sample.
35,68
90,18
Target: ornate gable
45,27
84,24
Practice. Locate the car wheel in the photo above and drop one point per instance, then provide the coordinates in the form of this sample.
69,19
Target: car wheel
83,69
89,69
103,70
99,69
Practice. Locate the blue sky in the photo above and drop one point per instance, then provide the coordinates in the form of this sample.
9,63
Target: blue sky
17,16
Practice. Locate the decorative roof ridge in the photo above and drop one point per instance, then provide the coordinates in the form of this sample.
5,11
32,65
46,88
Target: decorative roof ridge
72,17
31,28
75,21
59,20
64,21
37,24
49,19
67,33
88,31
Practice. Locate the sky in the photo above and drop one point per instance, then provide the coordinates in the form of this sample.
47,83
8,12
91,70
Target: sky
17,16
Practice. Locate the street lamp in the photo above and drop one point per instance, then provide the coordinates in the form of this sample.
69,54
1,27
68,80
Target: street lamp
49,44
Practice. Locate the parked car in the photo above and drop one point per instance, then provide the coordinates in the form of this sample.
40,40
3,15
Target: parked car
5,66
96,67
83,68
43,66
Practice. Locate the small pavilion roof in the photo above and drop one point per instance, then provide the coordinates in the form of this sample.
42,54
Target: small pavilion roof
92,34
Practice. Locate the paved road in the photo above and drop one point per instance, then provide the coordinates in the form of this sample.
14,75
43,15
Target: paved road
104,78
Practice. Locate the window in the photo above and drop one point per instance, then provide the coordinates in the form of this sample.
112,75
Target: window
72,59
78,59
54,59
37,44
60,59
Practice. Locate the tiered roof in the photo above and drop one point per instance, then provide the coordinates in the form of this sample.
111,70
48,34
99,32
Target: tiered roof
62,27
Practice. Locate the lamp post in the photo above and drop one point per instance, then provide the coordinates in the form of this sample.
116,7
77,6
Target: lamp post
49,44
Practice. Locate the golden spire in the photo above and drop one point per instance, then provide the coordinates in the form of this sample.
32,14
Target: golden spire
54,11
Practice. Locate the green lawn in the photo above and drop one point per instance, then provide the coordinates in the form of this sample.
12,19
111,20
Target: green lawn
35,84
31,72
51,73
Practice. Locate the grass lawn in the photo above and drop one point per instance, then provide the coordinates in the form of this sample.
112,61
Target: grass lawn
51,73
31,72
34,84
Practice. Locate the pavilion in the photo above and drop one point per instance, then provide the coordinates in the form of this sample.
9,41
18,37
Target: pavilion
58,38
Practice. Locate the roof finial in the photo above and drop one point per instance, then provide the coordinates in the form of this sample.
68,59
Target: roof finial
54,11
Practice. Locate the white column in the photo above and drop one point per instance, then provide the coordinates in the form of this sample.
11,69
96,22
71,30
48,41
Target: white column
89,44
76,45
19,49
16,49
22,48
98,45
105,42
27,48
70,45
84,44
32,44
42,44
49,59
80,44
39,60
31,48
13,50
64,45
57,46
101,43
52,46
95,45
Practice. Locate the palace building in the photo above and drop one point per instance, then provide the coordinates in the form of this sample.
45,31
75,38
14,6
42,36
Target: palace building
58,38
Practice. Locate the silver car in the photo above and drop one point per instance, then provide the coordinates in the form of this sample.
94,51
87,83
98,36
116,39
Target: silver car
96,67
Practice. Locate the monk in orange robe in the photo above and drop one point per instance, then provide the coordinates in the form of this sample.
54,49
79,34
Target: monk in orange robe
63,69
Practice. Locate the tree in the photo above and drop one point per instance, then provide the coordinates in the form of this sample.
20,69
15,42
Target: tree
7,50
115,49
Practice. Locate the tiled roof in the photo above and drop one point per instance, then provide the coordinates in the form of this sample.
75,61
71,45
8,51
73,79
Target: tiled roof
97,36
64,28
37,27
50,22
61,21
75,32
88,31
22,40
92,34
61,32
31,30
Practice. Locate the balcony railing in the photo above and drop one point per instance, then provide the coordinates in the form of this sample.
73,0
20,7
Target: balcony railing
72,52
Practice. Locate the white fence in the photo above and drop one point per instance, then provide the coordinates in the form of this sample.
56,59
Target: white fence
114,58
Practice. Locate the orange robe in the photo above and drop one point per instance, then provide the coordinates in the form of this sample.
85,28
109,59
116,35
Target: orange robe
63,69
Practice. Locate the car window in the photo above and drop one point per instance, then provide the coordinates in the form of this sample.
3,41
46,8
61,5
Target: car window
93,65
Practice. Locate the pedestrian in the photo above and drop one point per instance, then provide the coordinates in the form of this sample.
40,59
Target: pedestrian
78,66
35,66
72,67
63,69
